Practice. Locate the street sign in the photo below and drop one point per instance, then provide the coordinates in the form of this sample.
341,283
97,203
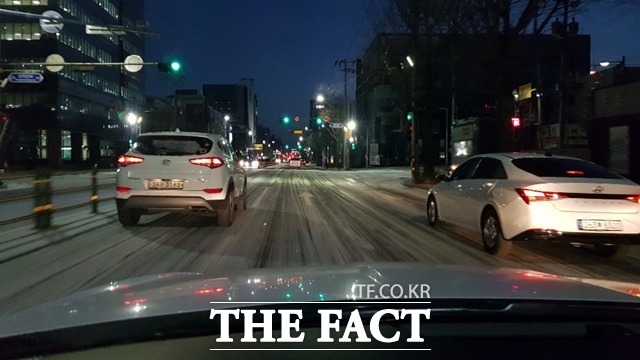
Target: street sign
102,30
133,63
257,147
49,24
26,78
336,125
298,132
56,61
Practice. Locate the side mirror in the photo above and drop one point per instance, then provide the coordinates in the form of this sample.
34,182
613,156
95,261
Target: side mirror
441,177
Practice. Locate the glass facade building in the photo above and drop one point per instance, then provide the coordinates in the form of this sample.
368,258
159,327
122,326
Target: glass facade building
77,116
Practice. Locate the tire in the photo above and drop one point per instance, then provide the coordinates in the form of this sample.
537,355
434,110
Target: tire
129,217
226,216
611,251
492,239
432,211
242,203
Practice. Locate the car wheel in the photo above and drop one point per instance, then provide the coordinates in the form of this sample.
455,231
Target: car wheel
611,251
432,211
242,204
225,217
492,239
129,217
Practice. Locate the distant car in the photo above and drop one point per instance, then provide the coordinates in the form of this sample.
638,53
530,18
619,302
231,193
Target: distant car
519,196
180,171
295,163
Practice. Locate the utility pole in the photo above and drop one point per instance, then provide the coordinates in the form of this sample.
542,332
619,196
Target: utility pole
345,149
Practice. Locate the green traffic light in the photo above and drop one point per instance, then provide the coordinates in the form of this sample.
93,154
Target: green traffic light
175,66
286,120
318,121
410,116
286,147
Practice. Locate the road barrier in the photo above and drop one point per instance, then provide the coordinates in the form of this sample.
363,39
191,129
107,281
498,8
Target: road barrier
42,194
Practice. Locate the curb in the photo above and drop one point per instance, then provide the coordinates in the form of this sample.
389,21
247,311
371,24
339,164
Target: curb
38,239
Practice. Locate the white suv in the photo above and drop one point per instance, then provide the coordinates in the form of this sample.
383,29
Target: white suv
180,171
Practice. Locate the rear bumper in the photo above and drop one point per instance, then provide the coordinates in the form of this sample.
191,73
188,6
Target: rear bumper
574,237
172,203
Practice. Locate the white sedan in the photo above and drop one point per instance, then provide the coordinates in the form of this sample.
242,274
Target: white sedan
524,196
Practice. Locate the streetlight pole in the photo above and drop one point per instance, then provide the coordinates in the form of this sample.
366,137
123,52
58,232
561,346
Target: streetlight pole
414,160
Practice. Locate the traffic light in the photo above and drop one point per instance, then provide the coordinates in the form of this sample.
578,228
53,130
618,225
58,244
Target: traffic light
319,121
353,146
286,120
170,67
299,147
408,131
515,122
410,116
4,117
286,147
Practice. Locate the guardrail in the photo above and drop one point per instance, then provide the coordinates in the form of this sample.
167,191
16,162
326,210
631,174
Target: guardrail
43,193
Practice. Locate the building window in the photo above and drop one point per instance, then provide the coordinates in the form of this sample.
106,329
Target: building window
24,2
42,144
65,150
20,31
85,147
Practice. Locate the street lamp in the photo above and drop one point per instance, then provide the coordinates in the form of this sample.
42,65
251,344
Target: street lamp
320,98
227,134
300,138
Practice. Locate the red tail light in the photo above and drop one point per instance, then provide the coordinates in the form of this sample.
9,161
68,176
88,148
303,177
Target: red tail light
124,160
213,191
212,162
634,198
122,189
529,195
209,291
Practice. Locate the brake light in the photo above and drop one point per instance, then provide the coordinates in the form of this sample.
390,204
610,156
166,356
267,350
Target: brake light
529,195
123,189
634,198
209,291
213,191
213,162
124,160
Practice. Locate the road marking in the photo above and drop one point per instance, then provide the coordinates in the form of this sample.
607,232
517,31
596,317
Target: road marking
307,198
351,180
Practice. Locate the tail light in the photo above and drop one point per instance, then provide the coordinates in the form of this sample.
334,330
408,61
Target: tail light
122,189
634,198
212,162
529,195
124,160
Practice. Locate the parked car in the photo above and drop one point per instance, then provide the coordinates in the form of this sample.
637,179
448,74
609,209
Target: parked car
520,196
180,171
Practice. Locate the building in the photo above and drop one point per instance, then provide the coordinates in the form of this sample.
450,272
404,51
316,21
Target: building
454,77
239,103
615,120
78,115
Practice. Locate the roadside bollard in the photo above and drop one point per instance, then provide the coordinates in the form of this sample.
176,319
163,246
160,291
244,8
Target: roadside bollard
94,189
43,207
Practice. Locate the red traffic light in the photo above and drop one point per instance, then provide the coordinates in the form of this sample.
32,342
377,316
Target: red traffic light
515,122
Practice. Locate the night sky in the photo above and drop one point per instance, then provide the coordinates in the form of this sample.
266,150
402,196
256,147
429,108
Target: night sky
289,46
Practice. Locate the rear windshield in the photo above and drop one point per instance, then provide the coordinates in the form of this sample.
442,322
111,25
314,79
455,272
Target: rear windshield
558,167
172,145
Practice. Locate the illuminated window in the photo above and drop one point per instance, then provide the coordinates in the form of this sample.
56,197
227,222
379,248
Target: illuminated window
85,147
42,144
65,150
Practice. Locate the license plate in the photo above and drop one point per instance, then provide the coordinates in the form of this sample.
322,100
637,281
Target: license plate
166,184
600,225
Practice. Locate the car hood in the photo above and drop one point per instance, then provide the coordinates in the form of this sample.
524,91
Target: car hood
173,293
